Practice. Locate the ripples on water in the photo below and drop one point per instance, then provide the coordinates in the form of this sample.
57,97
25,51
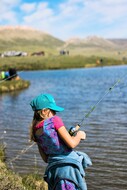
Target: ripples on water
76,90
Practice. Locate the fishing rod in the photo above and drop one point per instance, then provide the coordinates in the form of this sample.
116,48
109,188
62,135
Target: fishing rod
73,130
9,77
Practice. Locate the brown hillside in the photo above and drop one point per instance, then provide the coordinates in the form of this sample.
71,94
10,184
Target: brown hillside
28,39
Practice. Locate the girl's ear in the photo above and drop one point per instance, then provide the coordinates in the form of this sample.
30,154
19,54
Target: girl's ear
43,111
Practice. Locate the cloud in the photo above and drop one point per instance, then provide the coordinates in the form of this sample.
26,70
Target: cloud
40,18
68,18
28,7
9,3
6,11
109,10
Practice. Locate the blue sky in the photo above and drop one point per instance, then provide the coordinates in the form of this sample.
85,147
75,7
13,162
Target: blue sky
67,19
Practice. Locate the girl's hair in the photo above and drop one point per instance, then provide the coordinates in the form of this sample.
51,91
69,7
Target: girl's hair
38,116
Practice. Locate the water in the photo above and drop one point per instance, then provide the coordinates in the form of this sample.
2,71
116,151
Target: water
76,90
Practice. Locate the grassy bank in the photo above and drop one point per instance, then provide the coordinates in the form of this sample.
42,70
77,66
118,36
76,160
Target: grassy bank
57,62
13,85
12,181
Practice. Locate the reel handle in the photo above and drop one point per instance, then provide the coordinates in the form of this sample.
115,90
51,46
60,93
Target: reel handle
73,130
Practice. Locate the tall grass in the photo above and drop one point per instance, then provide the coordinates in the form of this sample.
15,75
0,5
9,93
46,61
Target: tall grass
56,62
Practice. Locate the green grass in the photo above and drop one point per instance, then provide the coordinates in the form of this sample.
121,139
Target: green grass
2,152
80,54
13,85
10,180
56,62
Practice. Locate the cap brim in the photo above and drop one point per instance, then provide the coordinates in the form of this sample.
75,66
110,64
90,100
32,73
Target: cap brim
56,108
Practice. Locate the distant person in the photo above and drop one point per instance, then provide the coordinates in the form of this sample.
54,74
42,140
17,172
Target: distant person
101,61
4,75
67,52
66,167
13,74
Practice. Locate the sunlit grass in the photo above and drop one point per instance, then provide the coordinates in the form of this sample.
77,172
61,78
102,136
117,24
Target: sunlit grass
12,85
57,62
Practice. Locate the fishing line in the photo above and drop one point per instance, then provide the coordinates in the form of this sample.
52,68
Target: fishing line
95,105
10,77
73,130
23,151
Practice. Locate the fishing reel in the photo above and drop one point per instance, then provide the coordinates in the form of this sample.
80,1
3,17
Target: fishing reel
73,130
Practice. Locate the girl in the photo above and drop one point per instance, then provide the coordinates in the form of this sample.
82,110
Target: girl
65,170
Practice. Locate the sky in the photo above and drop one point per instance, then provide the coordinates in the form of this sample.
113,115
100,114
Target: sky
67,19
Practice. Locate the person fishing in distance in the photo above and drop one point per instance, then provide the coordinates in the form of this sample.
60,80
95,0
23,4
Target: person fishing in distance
65,166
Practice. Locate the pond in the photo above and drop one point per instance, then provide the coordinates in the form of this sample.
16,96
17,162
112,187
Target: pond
77,90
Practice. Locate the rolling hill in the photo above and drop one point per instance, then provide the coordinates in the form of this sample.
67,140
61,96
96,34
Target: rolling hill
91,42
28,39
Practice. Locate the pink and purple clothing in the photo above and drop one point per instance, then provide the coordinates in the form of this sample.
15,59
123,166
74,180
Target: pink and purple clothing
59,157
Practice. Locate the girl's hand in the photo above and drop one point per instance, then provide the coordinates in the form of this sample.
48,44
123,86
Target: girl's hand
82,135
71,141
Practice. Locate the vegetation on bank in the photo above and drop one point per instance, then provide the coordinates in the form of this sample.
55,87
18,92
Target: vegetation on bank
2,153
57,62
12,181
13,85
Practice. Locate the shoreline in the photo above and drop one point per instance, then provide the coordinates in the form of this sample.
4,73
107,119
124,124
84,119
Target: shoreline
10,180
58,62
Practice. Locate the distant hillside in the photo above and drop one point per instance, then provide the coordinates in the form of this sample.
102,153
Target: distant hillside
91,42
28,39
20,37
120,42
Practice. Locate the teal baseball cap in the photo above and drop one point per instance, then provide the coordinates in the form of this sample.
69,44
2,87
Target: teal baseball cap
45,101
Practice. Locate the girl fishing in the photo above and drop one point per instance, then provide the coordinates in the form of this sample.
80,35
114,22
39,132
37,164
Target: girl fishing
66,167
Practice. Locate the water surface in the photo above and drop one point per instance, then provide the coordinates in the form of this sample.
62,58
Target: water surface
77,90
